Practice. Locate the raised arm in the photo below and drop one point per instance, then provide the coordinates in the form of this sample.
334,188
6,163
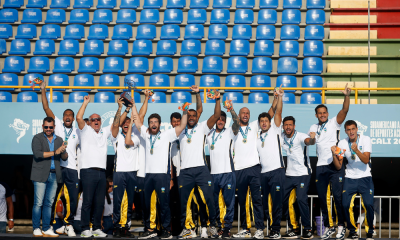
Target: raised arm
136,119
143,109
79,115
311,140
199,104
179,129
117,123
346,105
272,109
128,138
217,111
279,106
45,103
124,114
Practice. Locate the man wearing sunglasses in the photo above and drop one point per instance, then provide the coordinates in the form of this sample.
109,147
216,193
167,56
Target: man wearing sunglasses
48,151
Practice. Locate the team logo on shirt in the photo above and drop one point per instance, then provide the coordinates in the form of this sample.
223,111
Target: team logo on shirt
361,148
370,191
209,183
301,185
180,186
73,136
344,191
340,179
229,186
316,180
278,188
324,129
115,186
163,190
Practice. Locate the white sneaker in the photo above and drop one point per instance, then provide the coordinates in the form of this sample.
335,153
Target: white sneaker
328,232
99,233
204,232
49,233
86,234
37,232
259,234
243,234
340,233
61,230
186,233
374,234
69,230
192,233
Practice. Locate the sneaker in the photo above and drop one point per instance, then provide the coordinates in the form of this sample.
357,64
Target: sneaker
99,233
186,233
328,233
37,233
61,230
148,234
220,232
192,233
126,233
213,232
86,234
340,233
291,234
117,232
259,234
69,230
204,232
165,234
369,236
374,233
352,236
243,234
307,234
226,233
49,233
274,235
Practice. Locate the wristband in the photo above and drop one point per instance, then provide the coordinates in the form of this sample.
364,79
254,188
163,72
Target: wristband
127,111
12,220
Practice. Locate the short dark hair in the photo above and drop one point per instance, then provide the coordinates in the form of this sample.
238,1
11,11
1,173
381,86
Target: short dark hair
66,110
175,115
320,106
263,115
48,119
349,123
192,110
223,114
110,178
154,115
289,118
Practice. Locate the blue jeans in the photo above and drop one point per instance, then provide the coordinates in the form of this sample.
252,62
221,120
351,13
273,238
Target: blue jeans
108,225
44,194
3,226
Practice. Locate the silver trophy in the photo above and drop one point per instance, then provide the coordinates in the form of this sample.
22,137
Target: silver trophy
130,84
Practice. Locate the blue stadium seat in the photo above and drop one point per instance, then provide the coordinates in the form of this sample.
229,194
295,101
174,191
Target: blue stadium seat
126,16
258,97
215,47
142,47
212,65
310,98
83,4
55,16
313,48
235,81
98,31
79,16
3,46
220,16
69,47
290,32
194,31
77,97
36,3
265,32
14,65
176,3
245,3
83,80
102,16
64,65
30,77
88,65
6,31
312,82
27,97
269,4
117,48
217,31
8,15
50,31
122,32
58,97
13,3
288,48
149,16
184,80
267,16
58,80
187,65
106,4
39,65
316,16
60,3
153,4
293,4
210,81
314,32
93,47
190,47
222,4
244,16
138,65
199,3
31,16
288,98
159,80
315,4
239,48
104,97
129,4
146,31
173,16
44,47
171,32
166,47
197,16
242,32
181,97
137,79
5,97
158,97
108,80
291,16
236,97
163,65
74,31
263,48
286,81
113,65
8,79
260,81
237,65
287,65
20,47
312,65
262,65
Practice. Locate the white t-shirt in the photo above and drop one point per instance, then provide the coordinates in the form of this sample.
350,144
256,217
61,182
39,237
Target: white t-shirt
158,161
298,162
220,156
271,154
192,154
94,147
73,141
5,192
246,154
327,137
141,155
108,208
126,156
176,156
356,168
77,216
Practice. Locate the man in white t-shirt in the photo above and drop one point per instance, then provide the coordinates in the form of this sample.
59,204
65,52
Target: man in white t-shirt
298,176
70,186
358,178
328,178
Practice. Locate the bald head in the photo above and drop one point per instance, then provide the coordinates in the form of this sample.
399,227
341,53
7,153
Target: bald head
244,116
95,121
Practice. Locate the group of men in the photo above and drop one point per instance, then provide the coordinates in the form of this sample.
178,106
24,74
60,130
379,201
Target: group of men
245,159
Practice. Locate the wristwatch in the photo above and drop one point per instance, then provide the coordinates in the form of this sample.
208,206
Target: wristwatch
126,111
12,220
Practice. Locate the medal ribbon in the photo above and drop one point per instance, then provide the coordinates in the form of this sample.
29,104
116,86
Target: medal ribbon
290,143
244,134
215,140
155,139
352,152
191,132
123,134
322,127
263,138
67,134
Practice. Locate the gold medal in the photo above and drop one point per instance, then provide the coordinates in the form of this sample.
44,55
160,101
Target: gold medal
353,156
212,147
244,140
66,143
189,140
151,151
262,145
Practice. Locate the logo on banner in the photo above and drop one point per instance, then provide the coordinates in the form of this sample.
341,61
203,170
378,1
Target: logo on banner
361,128
20,128
106,120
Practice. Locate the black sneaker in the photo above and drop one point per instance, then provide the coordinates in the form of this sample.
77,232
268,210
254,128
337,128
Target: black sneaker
220,232
226,233
274,235
148,234
369,236
291,234
117,232
307,234
127,233
352,236
165,234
